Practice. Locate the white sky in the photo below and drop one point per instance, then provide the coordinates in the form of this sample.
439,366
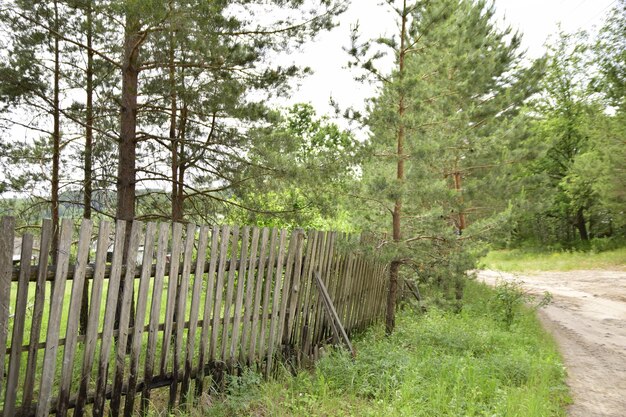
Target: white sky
535,19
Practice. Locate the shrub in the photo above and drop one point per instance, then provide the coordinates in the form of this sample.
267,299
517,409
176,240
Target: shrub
508,298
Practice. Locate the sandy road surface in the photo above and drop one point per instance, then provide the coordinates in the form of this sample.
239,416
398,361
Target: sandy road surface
588,319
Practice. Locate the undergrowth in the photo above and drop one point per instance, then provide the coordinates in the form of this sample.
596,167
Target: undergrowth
439,363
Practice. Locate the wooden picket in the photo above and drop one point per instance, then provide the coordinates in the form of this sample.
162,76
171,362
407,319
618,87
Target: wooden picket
200,302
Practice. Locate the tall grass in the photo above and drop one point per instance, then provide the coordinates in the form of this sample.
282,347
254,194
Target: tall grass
436,364
525,260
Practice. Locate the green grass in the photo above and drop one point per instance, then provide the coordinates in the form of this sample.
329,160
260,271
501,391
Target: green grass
524,260
435,364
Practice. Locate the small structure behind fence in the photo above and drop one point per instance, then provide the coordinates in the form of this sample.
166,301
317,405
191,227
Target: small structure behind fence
202,302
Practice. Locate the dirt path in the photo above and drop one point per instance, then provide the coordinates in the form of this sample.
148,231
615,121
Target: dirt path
588,319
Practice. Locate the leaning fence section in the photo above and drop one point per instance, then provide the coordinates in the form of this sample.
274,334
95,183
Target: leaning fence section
168,306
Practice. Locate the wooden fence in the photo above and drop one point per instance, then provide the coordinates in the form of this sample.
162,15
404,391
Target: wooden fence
200,302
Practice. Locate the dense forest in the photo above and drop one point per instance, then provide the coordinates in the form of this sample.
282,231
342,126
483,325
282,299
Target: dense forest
161,110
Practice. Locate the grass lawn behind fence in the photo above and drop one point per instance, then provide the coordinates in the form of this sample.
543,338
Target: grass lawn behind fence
436,364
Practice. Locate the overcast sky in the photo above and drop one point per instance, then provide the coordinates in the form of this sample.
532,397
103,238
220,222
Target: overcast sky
536,19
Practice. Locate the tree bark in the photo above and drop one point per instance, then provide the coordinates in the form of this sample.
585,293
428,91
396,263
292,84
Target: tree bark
128,123
56,139
581,225
459,190
392,294
177,214
127,149
87,181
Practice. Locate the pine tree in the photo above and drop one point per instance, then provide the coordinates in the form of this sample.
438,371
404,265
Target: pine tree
209,57
33,81
457,79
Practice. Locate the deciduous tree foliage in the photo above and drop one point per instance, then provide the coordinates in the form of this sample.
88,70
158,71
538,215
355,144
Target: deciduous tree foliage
300,168
611,55
576,178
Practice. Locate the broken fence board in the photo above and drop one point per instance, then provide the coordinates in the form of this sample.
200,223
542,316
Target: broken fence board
332,314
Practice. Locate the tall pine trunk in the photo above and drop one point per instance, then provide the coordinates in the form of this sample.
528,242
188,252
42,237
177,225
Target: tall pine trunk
177,210
56,138
392,295
127,148
88,176
178,201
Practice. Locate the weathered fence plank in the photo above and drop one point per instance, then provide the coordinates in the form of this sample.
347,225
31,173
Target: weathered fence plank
54,319
71,332
294,292
6,267
109,318
228,299
219,291
278,280
208,307
322,322
172,286
295,252
93,317
37,316
155,312
241,283
317,317
308,295
258,295
338,329
140,317
299,289
181,308
195,308
18,326
250,286
125,313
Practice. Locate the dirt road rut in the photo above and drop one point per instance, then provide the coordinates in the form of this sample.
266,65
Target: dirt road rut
588,319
